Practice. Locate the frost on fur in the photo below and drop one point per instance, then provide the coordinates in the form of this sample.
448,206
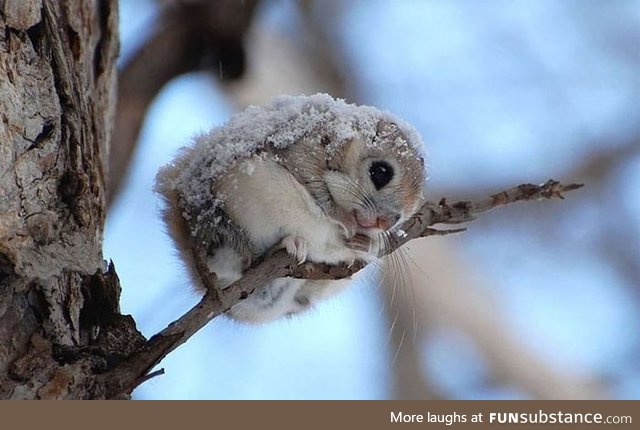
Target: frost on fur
278,124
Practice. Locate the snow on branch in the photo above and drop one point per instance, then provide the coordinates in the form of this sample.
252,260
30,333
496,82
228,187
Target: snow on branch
132,372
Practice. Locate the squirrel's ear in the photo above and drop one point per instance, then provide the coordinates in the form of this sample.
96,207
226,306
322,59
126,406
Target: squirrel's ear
347,156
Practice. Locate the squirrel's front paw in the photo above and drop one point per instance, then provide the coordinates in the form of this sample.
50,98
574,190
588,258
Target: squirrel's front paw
296,246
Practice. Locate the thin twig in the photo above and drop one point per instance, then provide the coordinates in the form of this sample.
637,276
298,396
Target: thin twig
123,378
150,375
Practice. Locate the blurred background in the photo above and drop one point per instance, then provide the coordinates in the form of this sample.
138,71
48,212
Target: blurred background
538,300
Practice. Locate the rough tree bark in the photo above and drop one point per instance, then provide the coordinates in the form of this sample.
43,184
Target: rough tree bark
57,89
61,331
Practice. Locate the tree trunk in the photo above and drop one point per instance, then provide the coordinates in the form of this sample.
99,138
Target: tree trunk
60,326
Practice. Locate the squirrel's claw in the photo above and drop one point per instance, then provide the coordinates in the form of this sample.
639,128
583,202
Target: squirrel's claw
296,246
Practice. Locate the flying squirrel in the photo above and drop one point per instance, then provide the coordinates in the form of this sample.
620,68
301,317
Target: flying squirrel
326,180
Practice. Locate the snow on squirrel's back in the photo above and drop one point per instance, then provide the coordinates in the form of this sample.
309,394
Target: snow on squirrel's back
280,123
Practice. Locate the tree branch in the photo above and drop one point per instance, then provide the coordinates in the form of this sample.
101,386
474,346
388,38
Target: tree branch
188,36
126,376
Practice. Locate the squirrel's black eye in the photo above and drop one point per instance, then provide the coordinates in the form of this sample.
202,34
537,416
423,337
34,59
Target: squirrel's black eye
381,173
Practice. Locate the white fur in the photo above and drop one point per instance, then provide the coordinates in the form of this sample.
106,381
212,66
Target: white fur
269,204
278,299
226,264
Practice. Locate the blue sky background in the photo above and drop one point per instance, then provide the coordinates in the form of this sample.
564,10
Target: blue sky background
502,92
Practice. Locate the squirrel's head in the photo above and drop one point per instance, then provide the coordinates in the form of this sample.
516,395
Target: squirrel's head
376,184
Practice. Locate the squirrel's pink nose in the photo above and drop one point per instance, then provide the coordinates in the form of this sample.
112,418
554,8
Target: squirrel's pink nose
381,222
